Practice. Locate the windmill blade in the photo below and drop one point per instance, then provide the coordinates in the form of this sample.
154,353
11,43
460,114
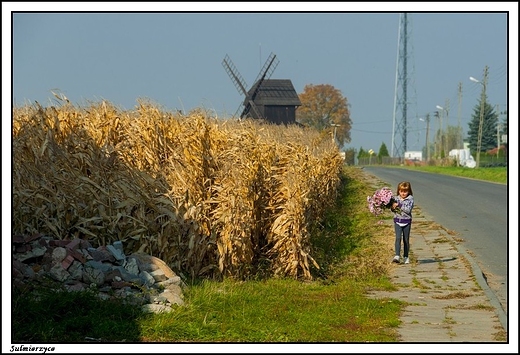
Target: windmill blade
250,106
239,110
265,73
267,70
235,76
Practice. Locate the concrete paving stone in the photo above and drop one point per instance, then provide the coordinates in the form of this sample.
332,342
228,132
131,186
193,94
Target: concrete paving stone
425,315
423,333
473,333
480,318
444,302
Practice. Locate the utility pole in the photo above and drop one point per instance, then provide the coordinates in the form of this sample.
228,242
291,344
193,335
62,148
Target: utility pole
436,143
498,131
459,127
447,136
428,137
460,144
441,143
335,126
481,121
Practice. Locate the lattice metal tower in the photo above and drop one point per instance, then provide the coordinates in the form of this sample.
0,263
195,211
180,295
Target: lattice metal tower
405,99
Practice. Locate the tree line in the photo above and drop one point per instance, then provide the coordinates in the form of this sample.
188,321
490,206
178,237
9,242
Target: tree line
325,108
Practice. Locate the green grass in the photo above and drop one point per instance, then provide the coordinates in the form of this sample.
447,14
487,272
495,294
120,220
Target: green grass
50,315
276,311
493,174
331,308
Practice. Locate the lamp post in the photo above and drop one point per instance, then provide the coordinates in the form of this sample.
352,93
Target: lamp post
441,145
427,136
446,136
499,127
436,142
481,120
335,125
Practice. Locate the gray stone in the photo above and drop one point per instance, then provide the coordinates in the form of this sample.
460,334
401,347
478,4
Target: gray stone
34,253
122,292
156,308
58,273
75,287
175,289
24,269
76,270
117,254
104,267
105,289
158,299
158,275
131,266
156,262
148,280
172,298
119,246
58,254
113,275
176,280
128,277
103,296
101,254
93,276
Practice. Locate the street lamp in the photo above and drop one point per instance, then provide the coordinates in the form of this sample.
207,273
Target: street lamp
481,120
441,109
446,136
335,125
371,151
427,136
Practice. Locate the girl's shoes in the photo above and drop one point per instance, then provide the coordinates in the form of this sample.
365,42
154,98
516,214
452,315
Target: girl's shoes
396,259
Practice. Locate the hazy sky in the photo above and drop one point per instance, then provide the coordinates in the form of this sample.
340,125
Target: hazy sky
175,59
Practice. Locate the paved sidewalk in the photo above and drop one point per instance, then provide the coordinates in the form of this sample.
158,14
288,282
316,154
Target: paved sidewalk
447,302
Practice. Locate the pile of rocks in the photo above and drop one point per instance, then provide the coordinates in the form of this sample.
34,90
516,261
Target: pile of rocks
138,278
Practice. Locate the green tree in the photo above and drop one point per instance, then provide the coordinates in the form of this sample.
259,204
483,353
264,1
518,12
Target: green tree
383,152
504,126
453,135
489,128
326,109
363,153
350,156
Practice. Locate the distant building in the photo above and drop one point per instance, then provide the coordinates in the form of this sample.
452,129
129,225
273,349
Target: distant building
413,155
463,157
276,101
273,100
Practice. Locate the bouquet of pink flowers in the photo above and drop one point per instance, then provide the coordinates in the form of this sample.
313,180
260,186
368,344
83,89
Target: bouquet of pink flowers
382,198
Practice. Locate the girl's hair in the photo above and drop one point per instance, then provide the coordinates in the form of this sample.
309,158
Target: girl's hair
406,186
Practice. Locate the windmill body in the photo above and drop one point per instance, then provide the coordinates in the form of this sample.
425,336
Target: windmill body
273,100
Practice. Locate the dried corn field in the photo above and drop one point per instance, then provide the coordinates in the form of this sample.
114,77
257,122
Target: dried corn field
213,198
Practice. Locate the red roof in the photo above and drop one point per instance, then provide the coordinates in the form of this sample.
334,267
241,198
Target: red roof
494,150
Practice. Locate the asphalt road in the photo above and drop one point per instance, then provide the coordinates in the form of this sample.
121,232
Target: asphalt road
476,211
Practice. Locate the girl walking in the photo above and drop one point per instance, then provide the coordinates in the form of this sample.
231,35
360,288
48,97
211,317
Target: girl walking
402,208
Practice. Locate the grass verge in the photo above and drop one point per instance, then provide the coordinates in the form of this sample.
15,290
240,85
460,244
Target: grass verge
492,174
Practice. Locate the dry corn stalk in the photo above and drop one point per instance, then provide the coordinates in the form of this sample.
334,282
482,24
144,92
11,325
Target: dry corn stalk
214,198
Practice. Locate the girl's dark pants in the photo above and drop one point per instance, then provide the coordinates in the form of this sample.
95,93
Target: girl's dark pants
404,234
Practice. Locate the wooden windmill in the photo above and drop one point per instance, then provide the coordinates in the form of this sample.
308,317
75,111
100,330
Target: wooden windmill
274,100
